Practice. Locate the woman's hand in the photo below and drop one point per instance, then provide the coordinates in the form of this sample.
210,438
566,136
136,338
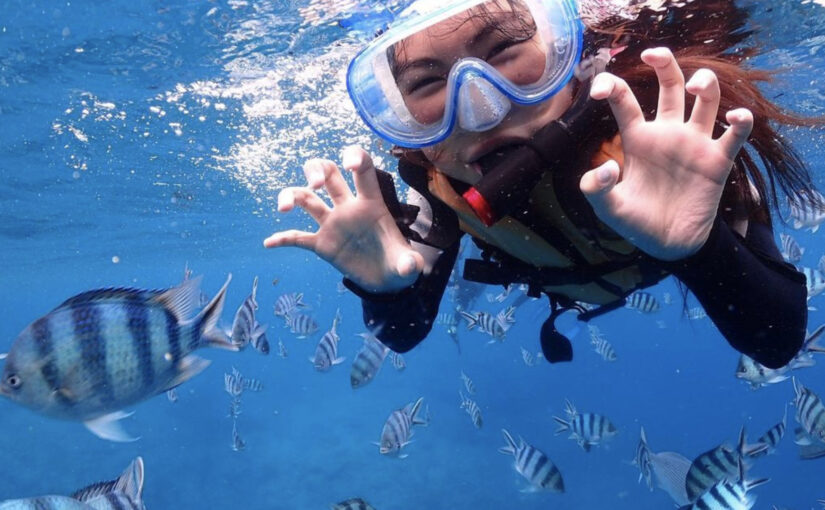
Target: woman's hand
357,234
664,199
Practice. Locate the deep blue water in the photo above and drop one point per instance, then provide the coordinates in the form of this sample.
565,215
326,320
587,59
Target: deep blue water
138,137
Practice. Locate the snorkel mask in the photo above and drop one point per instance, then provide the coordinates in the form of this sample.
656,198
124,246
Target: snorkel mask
412,92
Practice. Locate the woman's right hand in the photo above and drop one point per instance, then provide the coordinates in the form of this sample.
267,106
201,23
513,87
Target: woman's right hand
357,235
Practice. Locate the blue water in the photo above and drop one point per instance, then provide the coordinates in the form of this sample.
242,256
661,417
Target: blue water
139,137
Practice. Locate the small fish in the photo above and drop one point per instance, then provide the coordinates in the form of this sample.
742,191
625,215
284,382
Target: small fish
717,465
238,443
810,412
807,212
326,354
642,301
288,303
468,383
397,361
527,357
791,251
727,494
667,469
667,298
772,437
172,395
125,492
368,361
233,383
234,408
814,281
282,352
487,323
352,504
604,349
533,464
446,319
245,329
696,313
104,350
588,429
398,428
300,324
472,409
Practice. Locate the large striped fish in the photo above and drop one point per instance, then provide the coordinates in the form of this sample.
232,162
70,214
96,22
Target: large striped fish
728,494
368,361
104,350
808,211
397,429
791,251
667,469
772,437
588,429
810,413
245,329
125,493
533,464
759,375
717,465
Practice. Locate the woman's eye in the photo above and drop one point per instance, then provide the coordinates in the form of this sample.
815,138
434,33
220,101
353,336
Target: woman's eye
424,82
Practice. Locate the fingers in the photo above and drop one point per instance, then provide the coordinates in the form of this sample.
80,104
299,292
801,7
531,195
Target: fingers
304,198
734,138
705,86
360,164
671,83
597,185
297,238
623,103
322,172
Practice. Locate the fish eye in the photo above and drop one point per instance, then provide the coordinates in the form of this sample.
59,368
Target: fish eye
14,381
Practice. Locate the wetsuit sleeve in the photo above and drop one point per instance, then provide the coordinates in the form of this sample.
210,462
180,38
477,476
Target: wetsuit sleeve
758,301
402,319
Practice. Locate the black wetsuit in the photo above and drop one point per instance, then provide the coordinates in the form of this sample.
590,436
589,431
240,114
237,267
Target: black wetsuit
755,299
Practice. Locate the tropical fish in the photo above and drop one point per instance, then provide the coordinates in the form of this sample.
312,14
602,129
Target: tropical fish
172,395
472,409
301,324
104,350
695,313
533,464
810,412
604,349
326,354
352,504
791,251
759,375
588,429
495,326
245,329
814,281
727,494
368,361
124,493
288,303
527,357
468,383
397,361
642,301
667,469
772,437
717,465
807,212
398,428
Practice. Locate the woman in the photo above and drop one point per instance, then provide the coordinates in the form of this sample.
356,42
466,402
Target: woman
497,110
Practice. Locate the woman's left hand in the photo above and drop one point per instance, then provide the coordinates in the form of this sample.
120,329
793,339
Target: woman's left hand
665,197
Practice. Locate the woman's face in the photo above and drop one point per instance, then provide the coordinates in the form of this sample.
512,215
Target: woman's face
504,36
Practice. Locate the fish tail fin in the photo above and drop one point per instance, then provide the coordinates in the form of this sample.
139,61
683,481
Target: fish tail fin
563,425
414,413
748,450
569,408
472,320
510,447
812,342
207,322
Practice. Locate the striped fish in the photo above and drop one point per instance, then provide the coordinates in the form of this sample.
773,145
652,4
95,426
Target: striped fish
759,375
398,428
172,395
352,504
604,349
667,469
301,324
397,361
642,301
486,323
588,429
717,465
810,412
532,464
772,437
472,409
125,493
233,383
791,251
807,212
468,383
104,350
368,361
245,329
814,281
288,303
696,313
326,354
727,494
527,357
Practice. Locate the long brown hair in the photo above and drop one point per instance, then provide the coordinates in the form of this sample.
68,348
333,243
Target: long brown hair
714,34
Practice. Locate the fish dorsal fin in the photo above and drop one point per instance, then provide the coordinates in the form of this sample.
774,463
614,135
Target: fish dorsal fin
181,300
254,294
108,294
94,490
130,482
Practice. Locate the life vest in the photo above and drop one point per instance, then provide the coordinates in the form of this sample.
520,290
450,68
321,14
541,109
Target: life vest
596,266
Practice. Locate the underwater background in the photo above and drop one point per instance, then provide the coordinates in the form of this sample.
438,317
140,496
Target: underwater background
138,138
